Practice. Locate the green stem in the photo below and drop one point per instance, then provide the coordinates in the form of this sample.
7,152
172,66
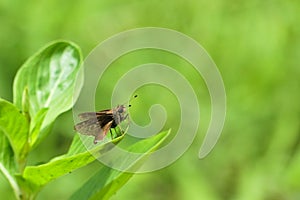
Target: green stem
26,196
22,164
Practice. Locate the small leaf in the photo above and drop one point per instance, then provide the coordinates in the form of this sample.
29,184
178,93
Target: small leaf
36,124
49,76
7,159
8,165
25,104
107,181
74,159
15,127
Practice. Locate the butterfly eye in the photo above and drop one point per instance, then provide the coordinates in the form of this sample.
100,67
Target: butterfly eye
121,109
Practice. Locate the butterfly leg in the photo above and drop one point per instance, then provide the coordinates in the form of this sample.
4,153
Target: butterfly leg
117,131
111,135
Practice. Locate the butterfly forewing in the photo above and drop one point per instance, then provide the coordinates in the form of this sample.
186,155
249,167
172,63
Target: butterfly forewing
87,115
98,124
90,115
104,130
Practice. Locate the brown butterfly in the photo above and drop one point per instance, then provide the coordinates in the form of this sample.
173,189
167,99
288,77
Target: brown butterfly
98,124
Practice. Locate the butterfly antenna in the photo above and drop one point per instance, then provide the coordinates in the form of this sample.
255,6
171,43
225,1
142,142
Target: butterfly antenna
134,97
128,102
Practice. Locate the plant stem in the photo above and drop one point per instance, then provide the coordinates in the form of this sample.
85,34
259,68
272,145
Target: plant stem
22,164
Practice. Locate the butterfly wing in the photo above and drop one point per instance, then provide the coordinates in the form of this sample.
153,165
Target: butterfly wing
88,127
91,115
105,112
87,115
103,133
96,124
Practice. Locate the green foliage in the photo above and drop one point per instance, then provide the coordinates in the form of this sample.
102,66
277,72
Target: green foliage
43,89
256,46
107,181
42,174
7,160
44,85
15,126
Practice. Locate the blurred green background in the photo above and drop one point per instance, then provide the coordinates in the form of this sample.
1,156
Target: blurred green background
256,46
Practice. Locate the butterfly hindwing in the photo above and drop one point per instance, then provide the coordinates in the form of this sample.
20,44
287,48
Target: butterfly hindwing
88,127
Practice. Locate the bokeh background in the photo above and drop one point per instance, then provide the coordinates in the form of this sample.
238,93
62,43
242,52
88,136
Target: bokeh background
256,46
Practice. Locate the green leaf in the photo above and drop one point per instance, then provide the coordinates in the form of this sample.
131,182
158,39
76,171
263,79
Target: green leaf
77,146
7,163
7,159
49,77
15,126
107,181
36,125
74,159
